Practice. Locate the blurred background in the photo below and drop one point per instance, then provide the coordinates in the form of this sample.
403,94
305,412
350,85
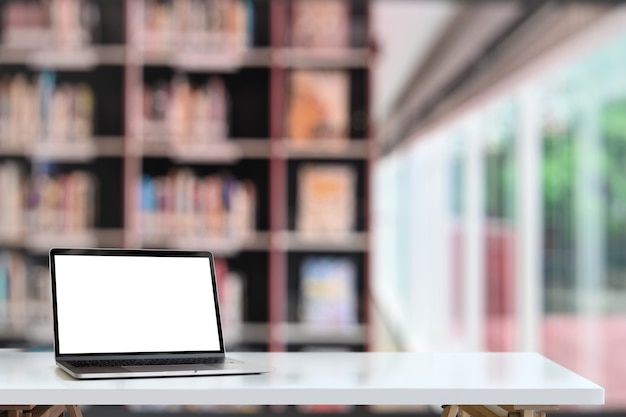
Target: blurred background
371,175
497,187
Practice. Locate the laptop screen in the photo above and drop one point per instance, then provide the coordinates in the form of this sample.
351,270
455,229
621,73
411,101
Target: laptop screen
113,302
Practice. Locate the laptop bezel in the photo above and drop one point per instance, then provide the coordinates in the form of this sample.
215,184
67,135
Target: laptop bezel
133,252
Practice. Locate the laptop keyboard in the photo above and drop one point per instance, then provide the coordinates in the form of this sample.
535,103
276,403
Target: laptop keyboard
146,362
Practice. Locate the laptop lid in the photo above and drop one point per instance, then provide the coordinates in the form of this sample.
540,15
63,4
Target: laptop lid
139,303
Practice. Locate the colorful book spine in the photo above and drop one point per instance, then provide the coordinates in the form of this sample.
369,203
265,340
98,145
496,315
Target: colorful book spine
4,290
25,296
62,203
184,204
328,292
19,111
318,105
231,293
197,25
47,86
320,24
62,24
326,200
66,110
44,110
16,290
184,114
12,204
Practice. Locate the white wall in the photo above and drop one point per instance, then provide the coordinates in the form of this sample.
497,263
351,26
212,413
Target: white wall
404,31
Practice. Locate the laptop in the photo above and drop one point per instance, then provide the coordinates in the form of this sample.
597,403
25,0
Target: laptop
126,313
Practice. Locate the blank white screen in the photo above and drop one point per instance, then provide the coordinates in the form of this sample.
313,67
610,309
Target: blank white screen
114,304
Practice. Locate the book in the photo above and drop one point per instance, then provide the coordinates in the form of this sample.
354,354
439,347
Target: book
221,271
83,115
63,203
156,30
19,111
320,24
47,86
212,205
4,290
318,105
13,280
155,102
147,202
24,24
40,299
223,26
4,111
13,202
234,290
182,203
328,292
66,112
73,23
325,206
240,204
180,108
181,114
63,24
230,288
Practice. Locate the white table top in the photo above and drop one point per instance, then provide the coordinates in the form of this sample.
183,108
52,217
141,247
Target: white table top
318,378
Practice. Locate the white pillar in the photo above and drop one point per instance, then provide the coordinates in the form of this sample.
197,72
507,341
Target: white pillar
529,240
473,242
590,233
590,239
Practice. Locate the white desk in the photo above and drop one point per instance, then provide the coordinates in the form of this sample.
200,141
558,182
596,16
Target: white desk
498,383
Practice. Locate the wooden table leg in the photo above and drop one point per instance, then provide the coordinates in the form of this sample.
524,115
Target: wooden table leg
47,411
17,410
41,410
33,411
528,410
73,411
496,410
450,411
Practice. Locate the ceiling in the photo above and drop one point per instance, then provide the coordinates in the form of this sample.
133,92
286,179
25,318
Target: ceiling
433,53
404,32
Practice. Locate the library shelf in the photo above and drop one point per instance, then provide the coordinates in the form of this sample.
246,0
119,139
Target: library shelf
307,334
297,334
301,242
227,151
60,150
337,58
77,59
224,151
57,149
201,60
321,148
11,241
17,148
133,69
41,242
260,241
220,246
83,58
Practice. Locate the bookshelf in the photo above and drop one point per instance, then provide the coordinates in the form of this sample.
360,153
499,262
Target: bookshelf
144,123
